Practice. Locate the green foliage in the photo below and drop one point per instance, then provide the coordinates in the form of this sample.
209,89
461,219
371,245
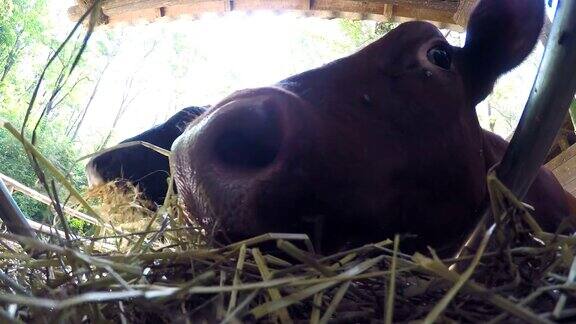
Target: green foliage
22,32
21,16
25,42
14,162
362,32
21,23
79,227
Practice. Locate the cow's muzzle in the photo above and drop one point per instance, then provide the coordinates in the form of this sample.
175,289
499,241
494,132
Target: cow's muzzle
240,164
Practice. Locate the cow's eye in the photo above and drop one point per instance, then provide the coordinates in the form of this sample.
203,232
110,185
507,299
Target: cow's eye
441,57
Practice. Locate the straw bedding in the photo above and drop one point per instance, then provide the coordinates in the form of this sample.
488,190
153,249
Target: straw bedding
168,271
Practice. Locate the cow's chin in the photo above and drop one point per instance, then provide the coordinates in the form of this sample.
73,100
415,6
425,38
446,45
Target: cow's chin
325,232
329,233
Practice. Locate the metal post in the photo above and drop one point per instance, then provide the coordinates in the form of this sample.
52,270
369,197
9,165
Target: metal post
551,95
547,105
12,215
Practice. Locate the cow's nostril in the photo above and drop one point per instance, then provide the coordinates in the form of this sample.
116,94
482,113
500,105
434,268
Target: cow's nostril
250,139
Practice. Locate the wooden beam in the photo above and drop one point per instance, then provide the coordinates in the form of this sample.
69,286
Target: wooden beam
49,230
464,11
77,11
563,140
436,11
17,186
197,9
250,5
388,12
116,7
565,172
46,229
441,5
331,14
147,15
336,7
561,159
415,13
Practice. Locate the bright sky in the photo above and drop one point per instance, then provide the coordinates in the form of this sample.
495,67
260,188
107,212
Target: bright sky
217,55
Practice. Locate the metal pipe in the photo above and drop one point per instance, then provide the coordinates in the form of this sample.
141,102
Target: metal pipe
551,95
11,214
543,115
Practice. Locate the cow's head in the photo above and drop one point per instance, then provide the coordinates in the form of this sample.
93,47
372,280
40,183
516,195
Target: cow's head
383,141
138,164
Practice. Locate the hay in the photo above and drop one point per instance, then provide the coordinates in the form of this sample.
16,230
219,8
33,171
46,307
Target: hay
168,274
122,205
166,271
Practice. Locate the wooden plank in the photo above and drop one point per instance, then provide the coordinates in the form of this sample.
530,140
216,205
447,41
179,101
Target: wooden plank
46,200
118,7
114,7
49,230
198,9
388,12
566,172
147,15
464,11
562,158
249,5
440,5
78,10
570,187
75,12
349,6
46,229
330,14
416,13
438,11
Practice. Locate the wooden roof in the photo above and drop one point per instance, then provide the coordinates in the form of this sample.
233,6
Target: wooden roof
451,14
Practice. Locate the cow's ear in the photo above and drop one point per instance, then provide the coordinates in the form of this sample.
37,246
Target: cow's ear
500,34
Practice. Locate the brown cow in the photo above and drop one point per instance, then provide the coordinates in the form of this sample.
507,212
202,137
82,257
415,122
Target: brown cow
384,141
381,142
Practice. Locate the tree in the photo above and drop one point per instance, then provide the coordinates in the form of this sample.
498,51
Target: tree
14,163
362,33
106,48
21,23
128,96
25,44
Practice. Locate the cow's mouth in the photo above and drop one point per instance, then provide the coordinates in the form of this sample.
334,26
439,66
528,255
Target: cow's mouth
311,225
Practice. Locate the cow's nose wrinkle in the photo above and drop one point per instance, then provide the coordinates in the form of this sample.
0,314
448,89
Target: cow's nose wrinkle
250,139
